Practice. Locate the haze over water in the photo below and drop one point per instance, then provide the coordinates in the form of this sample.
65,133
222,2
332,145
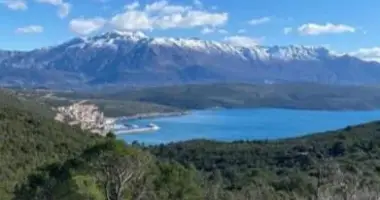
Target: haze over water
247,124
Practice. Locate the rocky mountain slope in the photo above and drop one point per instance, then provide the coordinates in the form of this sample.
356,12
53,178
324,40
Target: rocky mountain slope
136,59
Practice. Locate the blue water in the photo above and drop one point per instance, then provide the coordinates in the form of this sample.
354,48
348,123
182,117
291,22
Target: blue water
247,124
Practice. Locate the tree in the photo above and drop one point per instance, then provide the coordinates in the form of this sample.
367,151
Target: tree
111,135
120,169
176,182
338,149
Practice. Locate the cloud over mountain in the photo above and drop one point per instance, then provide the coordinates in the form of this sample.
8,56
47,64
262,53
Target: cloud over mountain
328,28
83,26
369,54
163,15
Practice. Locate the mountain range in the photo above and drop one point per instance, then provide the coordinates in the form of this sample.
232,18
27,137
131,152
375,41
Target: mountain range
132,58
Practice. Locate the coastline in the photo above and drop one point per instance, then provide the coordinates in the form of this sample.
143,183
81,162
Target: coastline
154,115
144,116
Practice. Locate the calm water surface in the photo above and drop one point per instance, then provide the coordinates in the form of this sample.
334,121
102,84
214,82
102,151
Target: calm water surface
247,124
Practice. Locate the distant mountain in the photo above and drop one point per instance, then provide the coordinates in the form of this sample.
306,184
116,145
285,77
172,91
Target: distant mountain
125,58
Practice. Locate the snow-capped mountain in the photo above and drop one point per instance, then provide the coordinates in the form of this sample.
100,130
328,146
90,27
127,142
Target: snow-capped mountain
133,58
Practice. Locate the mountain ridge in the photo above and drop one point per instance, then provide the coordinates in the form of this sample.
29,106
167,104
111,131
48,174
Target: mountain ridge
126,58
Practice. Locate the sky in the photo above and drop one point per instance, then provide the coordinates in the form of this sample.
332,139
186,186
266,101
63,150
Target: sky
343,26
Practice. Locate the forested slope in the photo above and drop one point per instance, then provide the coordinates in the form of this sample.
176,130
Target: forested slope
30,139
292,165
42,160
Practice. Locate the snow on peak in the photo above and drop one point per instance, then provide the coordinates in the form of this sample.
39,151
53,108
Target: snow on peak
109,37
116,38
294,52
125,34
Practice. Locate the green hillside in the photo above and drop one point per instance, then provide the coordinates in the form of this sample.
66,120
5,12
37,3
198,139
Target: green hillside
10,98
42,160
292,165
29,139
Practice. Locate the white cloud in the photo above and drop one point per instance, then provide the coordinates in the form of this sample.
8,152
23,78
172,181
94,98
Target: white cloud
288,30
64,10
241,31
328,28
133,5
192,18
63,7
163,7
132,20
368,54
258,21
15,4
86,26
30,29
163,15
242,41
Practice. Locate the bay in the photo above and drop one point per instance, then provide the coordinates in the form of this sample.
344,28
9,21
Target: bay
247,124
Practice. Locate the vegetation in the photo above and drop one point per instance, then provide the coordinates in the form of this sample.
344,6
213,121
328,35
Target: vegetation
29,140
117,108
43,160
289,166
173,98
110,107
10,98
334,165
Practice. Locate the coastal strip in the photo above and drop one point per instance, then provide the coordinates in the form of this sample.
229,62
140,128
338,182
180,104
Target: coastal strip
89,117
154,115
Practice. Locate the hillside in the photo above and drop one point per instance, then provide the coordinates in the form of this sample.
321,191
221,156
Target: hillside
125,58
30,140
11,98
335,165
43,159
300,165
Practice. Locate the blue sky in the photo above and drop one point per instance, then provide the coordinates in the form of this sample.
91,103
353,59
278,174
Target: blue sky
348,26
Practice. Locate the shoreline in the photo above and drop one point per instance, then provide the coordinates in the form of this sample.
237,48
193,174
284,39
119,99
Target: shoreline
154,115
143,116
